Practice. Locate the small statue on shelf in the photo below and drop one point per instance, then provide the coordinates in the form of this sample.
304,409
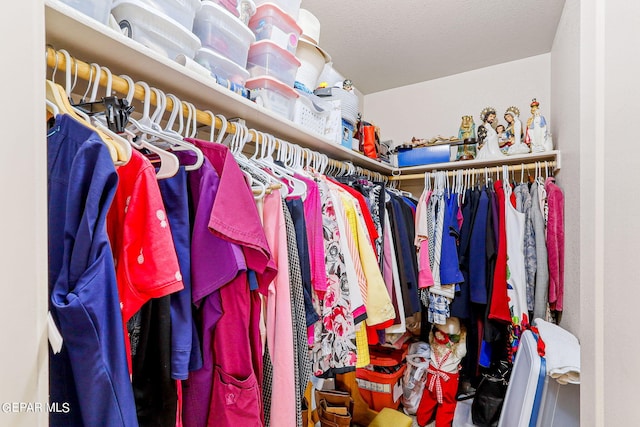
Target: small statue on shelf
467,128
503,138
514,132
488,147
538,136
467,133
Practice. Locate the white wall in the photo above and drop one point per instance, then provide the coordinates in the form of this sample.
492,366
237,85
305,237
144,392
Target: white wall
23,252
565,114
435,107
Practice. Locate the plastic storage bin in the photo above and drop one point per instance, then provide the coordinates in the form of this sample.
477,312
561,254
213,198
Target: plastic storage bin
268,59
272,23
182,11
291,7
380,383
222,32
423,155
96,9
154,30
221,66
273,95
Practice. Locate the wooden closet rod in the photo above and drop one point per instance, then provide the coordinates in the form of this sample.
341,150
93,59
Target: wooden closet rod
57,60
491,169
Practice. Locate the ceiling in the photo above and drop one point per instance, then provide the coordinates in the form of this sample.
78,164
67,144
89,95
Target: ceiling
382,44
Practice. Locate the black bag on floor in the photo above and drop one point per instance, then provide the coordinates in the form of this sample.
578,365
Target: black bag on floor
489,397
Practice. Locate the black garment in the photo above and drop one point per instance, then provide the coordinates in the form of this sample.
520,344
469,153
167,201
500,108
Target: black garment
296,209
153,388
405,254
460,306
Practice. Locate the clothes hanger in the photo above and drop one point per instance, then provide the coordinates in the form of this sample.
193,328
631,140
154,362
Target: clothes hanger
169,163
122,145
58,95
172,138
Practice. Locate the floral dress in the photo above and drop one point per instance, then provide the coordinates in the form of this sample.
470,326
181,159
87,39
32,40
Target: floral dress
334,349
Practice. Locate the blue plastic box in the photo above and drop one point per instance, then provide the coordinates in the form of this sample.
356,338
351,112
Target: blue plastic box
424,155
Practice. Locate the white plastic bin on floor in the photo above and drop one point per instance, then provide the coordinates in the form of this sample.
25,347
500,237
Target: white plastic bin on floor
522,401
560,406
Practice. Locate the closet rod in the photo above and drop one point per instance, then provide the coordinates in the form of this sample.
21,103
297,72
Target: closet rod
512,168
57,60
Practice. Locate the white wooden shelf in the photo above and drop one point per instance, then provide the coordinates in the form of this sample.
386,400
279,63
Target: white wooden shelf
548,156
90,41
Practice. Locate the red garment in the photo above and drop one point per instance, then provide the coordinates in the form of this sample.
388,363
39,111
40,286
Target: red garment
429,404
555,243
145,257
499,308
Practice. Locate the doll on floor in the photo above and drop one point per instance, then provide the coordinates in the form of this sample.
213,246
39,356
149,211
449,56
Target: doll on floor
448,347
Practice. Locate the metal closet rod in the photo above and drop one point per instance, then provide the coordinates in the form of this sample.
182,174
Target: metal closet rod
480,170
83,71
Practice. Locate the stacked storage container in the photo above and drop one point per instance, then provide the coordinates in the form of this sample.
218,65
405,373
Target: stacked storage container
271,62
225,43
164,26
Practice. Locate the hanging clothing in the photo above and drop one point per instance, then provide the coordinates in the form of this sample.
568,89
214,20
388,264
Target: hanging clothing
541,297
145,257
477,246
516,275
279,312
555,244
333,349
525,206
90,373
499,308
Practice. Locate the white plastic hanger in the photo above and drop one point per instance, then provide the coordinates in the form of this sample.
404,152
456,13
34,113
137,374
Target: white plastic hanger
169,163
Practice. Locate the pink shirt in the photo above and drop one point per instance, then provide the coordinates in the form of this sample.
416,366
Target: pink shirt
279,317
555,244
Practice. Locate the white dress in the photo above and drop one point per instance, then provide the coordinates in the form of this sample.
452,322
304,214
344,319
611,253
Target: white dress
516,273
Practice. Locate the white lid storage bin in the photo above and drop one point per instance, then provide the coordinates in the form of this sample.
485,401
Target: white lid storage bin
221,66
268,59
222,32
96,9
292,7
182,11
154,30
273,95
272,23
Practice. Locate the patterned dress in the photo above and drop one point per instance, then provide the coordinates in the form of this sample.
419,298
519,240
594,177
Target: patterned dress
334,349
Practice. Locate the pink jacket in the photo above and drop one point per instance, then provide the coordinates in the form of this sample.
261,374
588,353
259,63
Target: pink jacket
555,244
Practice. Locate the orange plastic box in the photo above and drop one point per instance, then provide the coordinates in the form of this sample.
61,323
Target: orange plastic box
380,382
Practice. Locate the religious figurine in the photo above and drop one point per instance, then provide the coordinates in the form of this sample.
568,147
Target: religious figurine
538,136
467,133
503,138
514,132
467,128
488,147
448,346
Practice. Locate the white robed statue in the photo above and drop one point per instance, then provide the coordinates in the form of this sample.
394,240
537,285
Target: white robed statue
488,146
538,136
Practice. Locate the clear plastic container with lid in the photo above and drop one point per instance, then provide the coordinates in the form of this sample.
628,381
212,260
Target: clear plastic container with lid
272,23
96,9
273,95
221,66
182,11
268,59
292,7
154,30
222,32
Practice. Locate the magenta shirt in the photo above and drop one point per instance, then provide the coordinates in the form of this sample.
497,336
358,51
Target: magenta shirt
313,218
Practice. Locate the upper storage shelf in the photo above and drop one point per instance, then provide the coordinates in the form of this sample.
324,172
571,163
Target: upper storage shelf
90,41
